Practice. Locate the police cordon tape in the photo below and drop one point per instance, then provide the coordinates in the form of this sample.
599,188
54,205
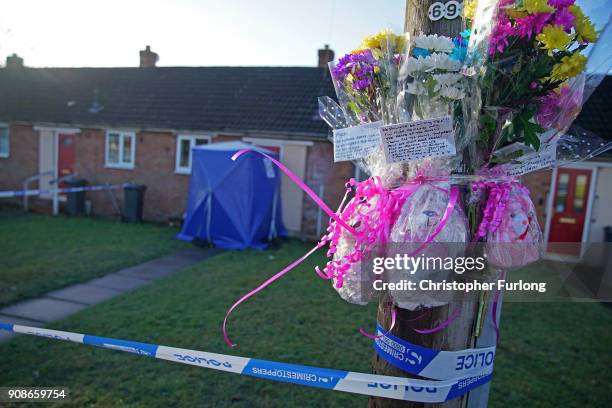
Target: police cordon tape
35,192
358,383
435,364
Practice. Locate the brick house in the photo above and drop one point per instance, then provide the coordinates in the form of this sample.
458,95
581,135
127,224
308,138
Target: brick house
573,201
114,125
138,124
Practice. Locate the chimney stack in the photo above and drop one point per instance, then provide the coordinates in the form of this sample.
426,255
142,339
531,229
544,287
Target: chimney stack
325,56
14,62
148,58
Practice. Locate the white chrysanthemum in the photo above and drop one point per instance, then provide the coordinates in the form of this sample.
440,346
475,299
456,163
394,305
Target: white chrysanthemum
434,42
444,62
439,61
446,79
415,88
413,65
451,92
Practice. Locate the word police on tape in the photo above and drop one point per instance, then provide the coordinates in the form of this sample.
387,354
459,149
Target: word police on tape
435,364
338,380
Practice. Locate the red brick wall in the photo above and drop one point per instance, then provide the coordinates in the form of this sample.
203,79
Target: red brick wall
23,158
538,184
166,193
321,169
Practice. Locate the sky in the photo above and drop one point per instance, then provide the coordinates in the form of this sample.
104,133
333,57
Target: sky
79,33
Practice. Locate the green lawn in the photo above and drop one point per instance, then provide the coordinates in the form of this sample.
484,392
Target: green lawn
39,253
550,355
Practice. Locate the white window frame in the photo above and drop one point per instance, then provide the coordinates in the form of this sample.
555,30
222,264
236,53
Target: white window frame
192,138
8,141
122,135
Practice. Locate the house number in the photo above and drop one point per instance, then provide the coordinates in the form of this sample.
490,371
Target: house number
450,11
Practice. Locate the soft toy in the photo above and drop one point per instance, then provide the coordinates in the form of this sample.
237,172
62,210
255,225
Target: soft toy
419,231
513,235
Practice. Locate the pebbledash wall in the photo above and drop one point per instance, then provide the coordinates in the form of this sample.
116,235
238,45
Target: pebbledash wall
155,161
538,184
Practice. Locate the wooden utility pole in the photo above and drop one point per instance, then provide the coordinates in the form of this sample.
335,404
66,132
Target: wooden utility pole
442,17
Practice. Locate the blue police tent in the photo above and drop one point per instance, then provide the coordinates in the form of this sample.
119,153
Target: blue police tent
233,204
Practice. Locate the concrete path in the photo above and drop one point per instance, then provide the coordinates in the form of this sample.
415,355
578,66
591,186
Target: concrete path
62,303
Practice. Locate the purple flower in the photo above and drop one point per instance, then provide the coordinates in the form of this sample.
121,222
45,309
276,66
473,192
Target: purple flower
360,65
565,18
561,3
532,25
499,37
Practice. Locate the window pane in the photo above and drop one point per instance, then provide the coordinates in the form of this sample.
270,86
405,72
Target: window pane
200,142
579,196
4,141
184,152
128,141
561,192
113,148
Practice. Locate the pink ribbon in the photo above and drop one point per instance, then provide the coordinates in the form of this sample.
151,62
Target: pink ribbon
261,287
393,319
375,226
302,185
454,315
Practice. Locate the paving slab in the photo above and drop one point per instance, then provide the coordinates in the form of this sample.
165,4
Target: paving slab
84,293
62,303
43,309
4,335
169,264
119,282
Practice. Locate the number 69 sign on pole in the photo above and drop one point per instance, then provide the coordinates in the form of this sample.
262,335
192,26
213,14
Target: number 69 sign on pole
450,10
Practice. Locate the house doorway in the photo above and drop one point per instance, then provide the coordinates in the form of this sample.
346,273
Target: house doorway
66,155
56,155
570,206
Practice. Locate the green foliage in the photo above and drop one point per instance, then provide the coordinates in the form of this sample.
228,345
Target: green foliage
299,319
511,157
42,253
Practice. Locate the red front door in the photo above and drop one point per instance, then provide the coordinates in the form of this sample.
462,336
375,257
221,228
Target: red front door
570,206
65,155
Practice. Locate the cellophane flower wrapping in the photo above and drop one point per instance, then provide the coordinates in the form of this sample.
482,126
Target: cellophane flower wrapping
526,82
512,83
365,81
414,233
513,235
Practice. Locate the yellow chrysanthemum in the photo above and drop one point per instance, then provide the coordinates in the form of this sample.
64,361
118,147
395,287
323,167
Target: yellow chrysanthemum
577,12
469,9
515,13
383,41
584,28
553,37
537,6
569,67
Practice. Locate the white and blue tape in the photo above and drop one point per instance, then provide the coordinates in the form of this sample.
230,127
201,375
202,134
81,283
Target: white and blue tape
435,364
359,383
35,192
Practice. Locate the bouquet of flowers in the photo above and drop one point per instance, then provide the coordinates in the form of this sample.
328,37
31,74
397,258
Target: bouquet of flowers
510,86
526,60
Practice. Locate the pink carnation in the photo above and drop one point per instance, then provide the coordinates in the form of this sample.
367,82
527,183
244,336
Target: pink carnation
556,108
565,18
499,37
532,25
561,3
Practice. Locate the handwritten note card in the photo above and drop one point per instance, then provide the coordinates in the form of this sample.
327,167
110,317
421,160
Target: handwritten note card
418,139
536,161
356,142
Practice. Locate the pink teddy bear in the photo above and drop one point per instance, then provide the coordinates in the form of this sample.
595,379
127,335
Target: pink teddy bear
517,240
